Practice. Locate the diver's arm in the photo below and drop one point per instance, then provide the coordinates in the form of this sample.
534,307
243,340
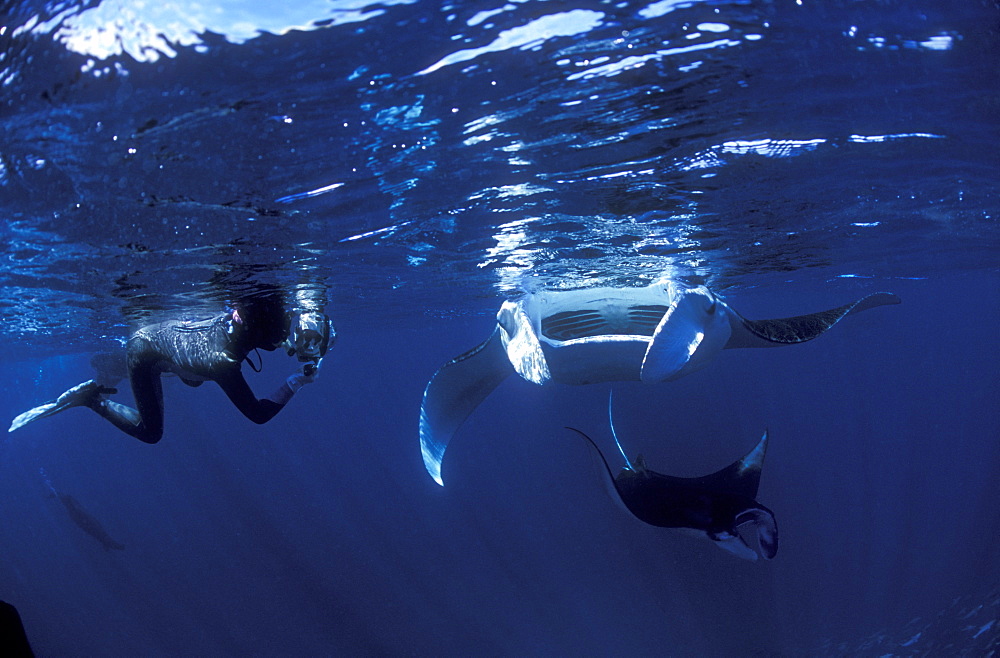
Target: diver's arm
263,410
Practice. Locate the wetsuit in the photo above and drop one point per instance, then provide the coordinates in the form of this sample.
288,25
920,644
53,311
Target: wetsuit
196,351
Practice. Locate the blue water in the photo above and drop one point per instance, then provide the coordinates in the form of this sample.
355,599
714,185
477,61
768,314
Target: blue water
418,163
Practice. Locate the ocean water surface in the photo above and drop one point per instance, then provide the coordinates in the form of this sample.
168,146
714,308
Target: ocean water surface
416,164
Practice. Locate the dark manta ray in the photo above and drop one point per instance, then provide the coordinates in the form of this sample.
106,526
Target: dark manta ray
653,334
721,505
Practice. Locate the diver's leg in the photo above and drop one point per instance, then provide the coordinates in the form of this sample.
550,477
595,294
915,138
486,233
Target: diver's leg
146,421
109,367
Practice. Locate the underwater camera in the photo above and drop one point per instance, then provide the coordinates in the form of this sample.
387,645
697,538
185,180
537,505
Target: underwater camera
311,336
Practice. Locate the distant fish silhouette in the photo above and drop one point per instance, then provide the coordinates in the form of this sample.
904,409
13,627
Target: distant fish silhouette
653,334
84,519
721,506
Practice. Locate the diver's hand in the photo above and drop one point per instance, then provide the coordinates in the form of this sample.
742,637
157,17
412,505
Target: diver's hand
308,375
311,369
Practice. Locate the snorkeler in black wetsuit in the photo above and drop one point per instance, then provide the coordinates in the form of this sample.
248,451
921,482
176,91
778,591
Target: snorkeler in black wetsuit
198,351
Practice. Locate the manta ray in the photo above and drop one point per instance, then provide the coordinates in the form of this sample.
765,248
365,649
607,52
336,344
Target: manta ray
652,334
721,506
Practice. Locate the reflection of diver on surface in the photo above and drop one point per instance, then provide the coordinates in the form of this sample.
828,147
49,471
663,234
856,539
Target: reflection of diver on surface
13,639
83,519
198,351
722,505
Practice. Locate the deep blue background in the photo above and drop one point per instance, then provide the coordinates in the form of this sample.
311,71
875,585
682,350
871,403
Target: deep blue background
320,532
807,155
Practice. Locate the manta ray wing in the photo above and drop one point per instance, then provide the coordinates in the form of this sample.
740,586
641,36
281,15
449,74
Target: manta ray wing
742,477
607,477
798,329
454,391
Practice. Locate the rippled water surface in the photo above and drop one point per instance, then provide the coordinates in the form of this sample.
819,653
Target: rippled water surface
393,149
418,162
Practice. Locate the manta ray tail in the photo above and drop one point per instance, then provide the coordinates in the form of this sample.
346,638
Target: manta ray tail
798,329
611,421
454,391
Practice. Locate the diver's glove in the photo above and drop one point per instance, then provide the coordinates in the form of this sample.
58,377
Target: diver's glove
294,382
308,375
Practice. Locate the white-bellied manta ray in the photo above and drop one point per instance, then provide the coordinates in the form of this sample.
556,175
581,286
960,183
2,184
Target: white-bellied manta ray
653,334
721,506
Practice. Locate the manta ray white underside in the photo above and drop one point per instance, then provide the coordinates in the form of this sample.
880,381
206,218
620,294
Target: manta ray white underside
653,334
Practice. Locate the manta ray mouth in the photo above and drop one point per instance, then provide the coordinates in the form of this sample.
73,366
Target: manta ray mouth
639,320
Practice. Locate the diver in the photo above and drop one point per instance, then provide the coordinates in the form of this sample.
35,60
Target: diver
200,351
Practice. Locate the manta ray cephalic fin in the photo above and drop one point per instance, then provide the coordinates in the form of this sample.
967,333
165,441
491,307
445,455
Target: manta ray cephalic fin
517,334
691,333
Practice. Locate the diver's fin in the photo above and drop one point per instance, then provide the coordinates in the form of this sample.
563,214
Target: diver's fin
691,333
799,329
80,394
41,411
454,391
742,477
